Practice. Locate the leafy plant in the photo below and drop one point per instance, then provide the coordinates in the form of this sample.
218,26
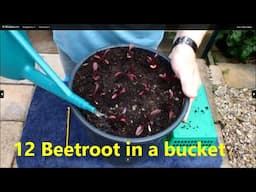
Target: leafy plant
239,44
170,35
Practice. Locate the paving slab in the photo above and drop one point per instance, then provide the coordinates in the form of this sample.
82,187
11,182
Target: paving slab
4,80
54,62
239,75
42,41
10,133
16,101
215,75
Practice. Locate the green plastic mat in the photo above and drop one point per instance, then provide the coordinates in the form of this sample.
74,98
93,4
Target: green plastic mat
199,126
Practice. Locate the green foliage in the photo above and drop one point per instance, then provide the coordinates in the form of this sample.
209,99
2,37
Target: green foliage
239,44
170,36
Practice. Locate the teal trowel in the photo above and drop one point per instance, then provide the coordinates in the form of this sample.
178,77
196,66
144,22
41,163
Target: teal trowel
17,61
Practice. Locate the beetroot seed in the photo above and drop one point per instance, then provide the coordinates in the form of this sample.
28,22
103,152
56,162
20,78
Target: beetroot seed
97,56
105,53
162,75
96,77
106,61
153,66
131,46
96,87
155,112
149,59
131,76
123,90
171,114
123,120
112,117
114,96
118,74
124,110
171,93
139,130
142,92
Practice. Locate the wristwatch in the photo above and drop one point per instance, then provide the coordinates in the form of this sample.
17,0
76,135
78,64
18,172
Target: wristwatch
186,40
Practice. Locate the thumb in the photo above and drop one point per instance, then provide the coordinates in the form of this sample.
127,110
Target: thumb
189,83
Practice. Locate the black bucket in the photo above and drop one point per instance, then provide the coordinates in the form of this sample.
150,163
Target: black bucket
100,138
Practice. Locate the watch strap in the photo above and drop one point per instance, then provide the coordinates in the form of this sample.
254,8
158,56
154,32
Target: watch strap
185,40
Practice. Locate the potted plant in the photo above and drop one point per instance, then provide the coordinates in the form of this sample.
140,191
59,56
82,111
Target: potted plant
137,90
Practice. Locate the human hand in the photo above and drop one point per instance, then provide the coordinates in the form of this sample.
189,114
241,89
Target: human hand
183,61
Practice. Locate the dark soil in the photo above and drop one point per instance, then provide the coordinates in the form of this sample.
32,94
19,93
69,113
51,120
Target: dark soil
134,87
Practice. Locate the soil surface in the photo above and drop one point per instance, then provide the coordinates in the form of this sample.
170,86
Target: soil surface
134,87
